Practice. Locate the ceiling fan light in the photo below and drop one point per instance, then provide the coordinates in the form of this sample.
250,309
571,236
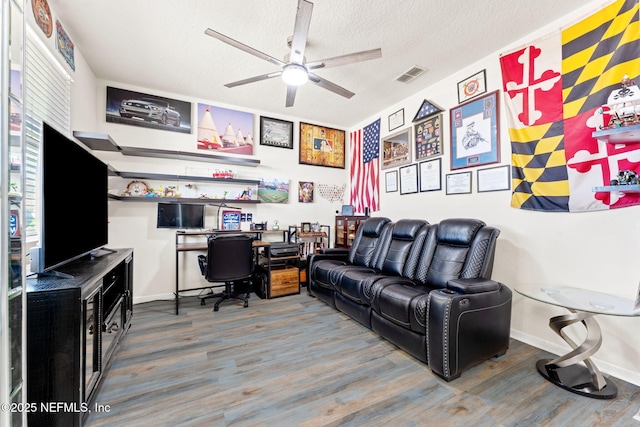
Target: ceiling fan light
295,74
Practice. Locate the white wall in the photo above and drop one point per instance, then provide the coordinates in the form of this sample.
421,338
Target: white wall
586,250
589,250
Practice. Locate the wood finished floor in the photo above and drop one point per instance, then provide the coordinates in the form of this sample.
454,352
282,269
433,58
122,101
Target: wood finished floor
294,361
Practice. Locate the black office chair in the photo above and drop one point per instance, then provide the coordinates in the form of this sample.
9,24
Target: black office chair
229,259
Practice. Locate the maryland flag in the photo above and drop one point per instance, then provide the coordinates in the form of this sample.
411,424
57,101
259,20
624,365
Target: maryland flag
554,89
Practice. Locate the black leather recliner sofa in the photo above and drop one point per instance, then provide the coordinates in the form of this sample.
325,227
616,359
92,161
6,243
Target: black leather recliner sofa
424,287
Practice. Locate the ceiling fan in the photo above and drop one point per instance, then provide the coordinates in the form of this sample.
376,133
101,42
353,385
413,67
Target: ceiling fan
294,70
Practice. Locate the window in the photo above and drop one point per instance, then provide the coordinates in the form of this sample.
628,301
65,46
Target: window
47,99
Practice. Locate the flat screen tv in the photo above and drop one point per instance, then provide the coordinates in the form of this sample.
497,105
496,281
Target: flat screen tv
180,215
73,203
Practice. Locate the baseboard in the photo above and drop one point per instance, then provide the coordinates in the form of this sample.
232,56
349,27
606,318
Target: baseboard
605,367
149,298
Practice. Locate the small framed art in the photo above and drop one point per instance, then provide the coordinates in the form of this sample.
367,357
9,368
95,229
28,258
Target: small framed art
472,86
409,179
427,135
475,136
305,227
396,149
276,132
459,183
391,181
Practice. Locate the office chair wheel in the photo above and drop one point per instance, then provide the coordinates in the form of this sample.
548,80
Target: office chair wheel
246,304
216,308
203,302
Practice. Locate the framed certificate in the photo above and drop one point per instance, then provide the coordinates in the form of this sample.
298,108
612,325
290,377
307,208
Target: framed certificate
391,181
459,183
409,179
430,176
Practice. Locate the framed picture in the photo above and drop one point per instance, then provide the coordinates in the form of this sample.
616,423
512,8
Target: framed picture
430,175
396,120
396,149
391,181
475,136
347,210
224,130
472,86
305,191
494,179
427,135
128,108
276,133
305,227
409,179
321,146
459,183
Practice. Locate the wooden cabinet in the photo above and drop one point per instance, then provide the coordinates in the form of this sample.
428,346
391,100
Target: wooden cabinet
74,326
346,227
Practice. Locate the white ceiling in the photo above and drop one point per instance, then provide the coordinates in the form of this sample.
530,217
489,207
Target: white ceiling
161,45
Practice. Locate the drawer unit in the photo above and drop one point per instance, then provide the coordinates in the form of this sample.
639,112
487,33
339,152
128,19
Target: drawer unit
284,281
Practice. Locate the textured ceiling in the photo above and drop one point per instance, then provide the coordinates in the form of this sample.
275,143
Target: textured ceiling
161,45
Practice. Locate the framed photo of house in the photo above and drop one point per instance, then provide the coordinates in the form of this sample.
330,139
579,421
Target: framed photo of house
427,135
276,132
431,175
475,136
493,179
391,181
459,183
472,86
321,146
396,149
396,120
409,179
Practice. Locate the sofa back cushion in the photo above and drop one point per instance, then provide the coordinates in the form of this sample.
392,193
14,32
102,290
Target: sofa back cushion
365,248
396,251
456,248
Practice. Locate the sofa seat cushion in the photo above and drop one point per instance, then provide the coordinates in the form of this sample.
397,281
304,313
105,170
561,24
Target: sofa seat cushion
403,304
355,283
321,271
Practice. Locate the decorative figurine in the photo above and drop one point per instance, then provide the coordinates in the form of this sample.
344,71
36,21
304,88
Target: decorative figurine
626,177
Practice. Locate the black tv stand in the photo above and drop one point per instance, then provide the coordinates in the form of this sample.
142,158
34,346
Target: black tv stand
74,329
51,273
102,252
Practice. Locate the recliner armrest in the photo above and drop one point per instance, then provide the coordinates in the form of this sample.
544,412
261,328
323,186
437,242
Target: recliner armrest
473,286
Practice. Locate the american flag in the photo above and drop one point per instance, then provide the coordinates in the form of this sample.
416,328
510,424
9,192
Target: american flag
365,168
426,109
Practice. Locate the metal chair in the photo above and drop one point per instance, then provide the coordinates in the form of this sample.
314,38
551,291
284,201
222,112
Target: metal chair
229,259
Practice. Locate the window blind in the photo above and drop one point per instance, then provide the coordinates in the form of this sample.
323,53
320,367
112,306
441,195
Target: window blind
47,99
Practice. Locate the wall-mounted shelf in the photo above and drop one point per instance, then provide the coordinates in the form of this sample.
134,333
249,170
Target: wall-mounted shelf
180,200
187,178
622,188
103,142
621,135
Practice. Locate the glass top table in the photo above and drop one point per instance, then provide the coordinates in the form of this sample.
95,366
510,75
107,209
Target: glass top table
566,371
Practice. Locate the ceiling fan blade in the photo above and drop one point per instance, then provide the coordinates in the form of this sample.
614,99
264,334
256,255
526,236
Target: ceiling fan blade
300,31
326,84
242,46
349,58
254,79
291,95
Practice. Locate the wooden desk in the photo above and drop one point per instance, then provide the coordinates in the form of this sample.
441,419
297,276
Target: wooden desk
202,246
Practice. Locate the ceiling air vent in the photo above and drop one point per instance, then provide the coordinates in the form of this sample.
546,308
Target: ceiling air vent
410,74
